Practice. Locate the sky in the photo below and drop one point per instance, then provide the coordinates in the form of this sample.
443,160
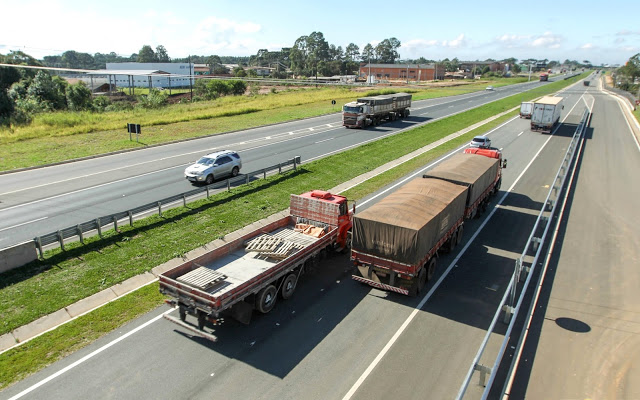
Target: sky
601,32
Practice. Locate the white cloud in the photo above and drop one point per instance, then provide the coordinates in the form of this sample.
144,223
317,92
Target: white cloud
587,46
547,40
626,32
455,43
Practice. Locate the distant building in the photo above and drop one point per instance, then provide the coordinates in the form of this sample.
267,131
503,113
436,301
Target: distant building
413,72
150,74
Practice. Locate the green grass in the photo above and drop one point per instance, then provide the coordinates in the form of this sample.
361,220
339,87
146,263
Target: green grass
62,278
60,136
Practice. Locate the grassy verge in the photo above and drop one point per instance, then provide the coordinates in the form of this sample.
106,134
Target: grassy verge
62,136
65,277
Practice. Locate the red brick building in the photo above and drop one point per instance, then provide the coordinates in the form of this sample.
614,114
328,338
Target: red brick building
412,72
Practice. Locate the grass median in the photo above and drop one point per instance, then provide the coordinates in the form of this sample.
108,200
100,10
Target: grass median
65,277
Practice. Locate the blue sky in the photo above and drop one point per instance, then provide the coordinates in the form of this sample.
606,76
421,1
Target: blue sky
603,32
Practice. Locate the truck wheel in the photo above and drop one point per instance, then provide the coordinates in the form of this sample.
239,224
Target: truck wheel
422,279
288,286
266,299
459,234
431,268
406,113
452,242
183,313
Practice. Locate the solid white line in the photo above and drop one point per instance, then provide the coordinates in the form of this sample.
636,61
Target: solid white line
395,337
88,356
520,133
24,223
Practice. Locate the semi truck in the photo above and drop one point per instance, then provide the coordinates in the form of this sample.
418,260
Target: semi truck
251,272
546,113
372,110
526,108
395,243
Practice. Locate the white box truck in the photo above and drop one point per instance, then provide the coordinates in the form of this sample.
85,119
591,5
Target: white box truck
546,114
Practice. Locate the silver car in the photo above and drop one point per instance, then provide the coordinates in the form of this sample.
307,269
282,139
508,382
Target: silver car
214,166
480,141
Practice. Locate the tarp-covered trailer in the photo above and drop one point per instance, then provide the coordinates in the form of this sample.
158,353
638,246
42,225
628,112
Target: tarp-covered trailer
394,242
481,174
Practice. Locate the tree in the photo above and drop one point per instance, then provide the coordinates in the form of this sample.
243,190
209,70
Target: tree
79,97
146,55
387,50
161,54
239,72
48,92
352,52
368,54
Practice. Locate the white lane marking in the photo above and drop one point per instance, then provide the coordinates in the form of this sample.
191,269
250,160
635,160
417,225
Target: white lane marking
325,140
83,190
24,223
620,104
520,133
88,356
415,311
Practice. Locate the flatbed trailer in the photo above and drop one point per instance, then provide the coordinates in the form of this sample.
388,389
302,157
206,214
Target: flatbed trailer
252,271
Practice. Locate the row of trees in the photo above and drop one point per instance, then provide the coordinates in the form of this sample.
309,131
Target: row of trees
627,77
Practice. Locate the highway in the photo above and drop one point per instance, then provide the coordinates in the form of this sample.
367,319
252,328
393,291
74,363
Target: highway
338,339
43,200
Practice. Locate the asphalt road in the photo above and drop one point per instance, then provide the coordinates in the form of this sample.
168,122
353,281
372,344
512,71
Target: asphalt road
584,339
43,200
337,338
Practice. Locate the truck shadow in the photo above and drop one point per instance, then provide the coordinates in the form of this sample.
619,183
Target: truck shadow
277,342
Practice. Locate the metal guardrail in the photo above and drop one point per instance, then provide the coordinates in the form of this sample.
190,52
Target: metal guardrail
507,304
100,223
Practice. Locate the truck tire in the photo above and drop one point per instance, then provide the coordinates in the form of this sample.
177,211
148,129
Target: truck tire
452,242
182,312
422,279
266,299
288,286
459,234
431,268
202,319
406,113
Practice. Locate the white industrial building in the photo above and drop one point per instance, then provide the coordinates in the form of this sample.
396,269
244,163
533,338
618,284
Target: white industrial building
133,74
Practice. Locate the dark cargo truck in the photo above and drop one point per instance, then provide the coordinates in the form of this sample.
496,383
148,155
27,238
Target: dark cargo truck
396,241
373,110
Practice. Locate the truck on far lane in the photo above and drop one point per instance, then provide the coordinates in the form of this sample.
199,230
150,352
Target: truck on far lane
373,110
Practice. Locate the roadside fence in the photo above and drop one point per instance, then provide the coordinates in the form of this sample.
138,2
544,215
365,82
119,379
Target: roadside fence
79,231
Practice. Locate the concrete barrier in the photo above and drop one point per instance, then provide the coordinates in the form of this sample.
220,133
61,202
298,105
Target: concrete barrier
17,256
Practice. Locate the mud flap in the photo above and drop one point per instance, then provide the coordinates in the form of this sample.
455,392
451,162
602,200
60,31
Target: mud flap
242,312
368,273
191,328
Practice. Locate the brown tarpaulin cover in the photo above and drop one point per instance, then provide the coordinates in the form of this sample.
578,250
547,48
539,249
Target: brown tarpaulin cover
475,171
405,225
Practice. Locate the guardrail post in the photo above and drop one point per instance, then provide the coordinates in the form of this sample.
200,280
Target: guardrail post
115,223
279,168
264,174
130,218
39,245
160,209
61,240
99,226
483,373
79,230
207,191
228,185
184,199
247,179
295,168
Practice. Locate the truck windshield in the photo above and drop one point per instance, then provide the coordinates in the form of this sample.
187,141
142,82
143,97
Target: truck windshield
352,109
